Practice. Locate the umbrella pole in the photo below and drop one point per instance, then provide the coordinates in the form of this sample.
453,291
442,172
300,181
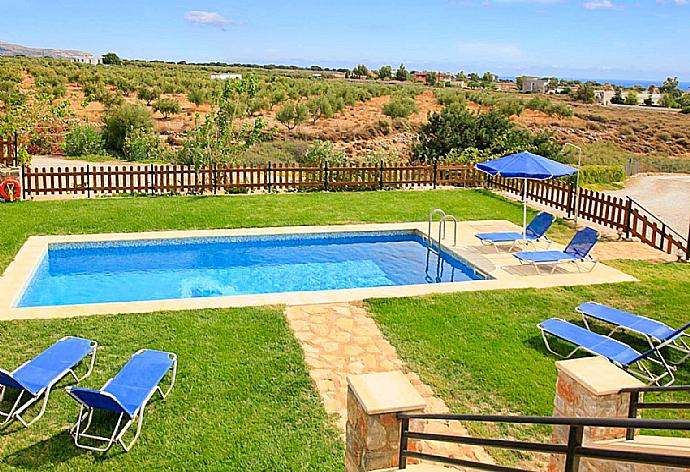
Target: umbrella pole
524,213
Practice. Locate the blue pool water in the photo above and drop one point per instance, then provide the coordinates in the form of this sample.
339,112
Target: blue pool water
125,271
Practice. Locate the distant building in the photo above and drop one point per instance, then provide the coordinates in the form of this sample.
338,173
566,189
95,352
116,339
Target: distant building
421,77
534,85
317,76
226,76
605,96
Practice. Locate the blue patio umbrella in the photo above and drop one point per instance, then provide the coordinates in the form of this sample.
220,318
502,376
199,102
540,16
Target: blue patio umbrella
527,166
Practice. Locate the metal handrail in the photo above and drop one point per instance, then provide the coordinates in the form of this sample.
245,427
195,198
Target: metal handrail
574,450
636,404
431,220
659,220
443,222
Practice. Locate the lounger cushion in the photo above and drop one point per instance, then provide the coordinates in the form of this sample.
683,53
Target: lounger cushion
132,386
51,364
507,237
640,324
602,345
545,256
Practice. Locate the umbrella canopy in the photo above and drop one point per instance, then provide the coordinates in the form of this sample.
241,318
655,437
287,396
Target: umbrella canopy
527,166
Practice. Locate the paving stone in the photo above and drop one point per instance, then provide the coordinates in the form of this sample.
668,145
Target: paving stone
341,339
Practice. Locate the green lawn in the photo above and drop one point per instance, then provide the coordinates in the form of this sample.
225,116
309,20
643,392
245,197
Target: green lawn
23,219
243,398
482,352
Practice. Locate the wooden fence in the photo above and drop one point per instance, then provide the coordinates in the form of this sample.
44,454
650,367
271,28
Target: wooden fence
624,215
175,179
8,150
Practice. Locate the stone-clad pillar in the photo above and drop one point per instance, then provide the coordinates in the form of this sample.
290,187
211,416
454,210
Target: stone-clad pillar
373,429
590,388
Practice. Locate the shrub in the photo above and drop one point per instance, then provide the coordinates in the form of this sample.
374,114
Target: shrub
457,130
107,98
143,145
321,152
400,106
197,96
118,122
602,174
685,111
292,115
148,94
83,139
167,106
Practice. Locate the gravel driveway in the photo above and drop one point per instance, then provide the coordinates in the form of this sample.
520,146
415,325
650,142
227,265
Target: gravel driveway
666,196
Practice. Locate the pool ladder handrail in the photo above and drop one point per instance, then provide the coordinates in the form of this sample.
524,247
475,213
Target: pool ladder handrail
441,228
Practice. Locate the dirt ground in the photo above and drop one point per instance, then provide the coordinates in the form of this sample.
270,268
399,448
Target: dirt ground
642,131
667,196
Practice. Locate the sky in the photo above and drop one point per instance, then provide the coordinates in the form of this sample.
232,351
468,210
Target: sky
597,39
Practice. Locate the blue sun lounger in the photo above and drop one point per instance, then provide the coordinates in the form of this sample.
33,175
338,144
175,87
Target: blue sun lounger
615,351
126,394
577,251
658,334
36,378
534,233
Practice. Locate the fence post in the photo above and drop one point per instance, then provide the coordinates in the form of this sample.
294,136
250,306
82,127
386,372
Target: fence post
663,236
628,216
16,148
214,178
24,179
268,177
572,460
152,188
571,201
632,413
687,249
435,173
404,432
88,181
381,175
325,176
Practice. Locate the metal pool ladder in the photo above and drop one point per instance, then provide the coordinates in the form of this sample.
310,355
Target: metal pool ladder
441,228
434,247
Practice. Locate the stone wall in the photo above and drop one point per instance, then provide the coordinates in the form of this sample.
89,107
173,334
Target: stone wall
590,388
372,432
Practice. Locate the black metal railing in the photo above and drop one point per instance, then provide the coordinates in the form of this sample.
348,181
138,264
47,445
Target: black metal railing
573,450
637,404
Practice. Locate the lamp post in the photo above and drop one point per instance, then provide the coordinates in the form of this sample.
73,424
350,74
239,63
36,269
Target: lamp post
577,179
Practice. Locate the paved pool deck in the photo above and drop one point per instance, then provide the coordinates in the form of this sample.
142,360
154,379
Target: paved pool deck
504,270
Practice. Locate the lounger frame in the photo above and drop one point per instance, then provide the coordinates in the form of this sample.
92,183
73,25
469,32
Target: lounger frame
526,242
641,371
120,428
678,344
588,259
18,407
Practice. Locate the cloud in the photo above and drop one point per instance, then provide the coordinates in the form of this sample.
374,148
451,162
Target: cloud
598,5
208,18
674,2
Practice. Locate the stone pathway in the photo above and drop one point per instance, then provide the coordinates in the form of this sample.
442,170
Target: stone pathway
341,339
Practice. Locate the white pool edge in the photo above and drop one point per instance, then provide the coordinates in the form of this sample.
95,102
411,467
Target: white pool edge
497,266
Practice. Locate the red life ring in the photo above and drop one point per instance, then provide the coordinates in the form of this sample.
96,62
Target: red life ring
10,190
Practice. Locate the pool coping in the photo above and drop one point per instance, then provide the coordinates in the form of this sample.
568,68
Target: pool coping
502,268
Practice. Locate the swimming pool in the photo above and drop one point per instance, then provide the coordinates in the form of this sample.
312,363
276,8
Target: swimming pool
183,268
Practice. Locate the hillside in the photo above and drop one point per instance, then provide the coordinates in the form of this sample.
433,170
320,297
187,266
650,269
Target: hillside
9,49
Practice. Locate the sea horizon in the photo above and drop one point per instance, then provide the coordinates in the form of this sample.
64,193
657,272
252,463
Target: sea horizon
627,83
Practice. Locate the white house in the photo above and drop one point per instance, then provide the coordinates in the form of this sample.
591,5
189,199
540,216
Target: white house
226,76
605,96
